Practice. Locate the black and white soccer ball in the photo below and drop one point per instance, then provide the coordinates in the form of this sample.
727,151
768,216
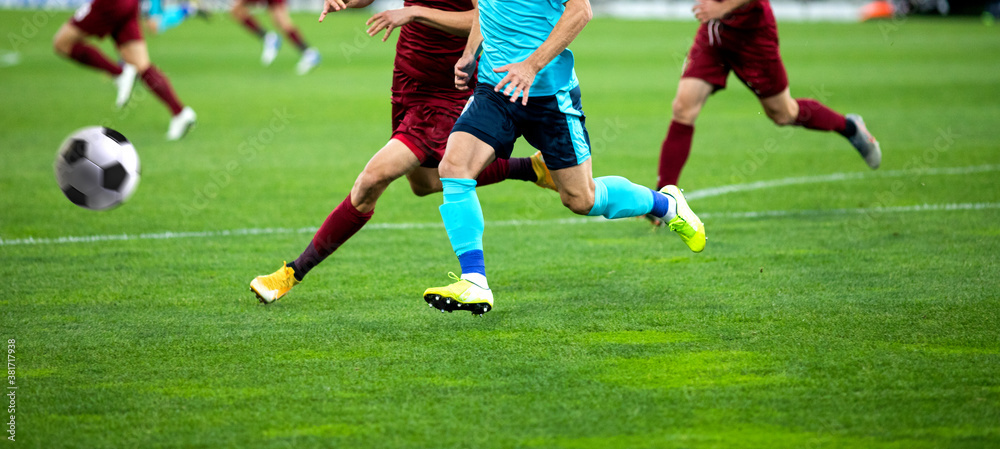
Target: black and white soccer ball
97,168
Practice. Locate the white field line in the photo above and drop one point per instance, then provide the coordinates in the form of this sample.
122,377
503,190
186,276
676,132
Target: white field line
9,58
835,177
508,223
704,193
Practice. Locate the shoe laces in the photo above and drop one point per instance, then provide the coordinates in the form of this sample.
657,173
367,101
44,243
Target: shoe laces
681,226
279,278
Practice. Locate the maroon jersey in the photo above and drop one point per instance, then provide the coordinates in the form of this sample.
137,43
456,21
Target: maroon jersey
427,54
754,14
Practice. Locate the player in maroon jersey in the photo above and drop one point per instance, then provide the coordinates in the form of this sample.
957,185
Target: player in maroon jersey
280,17
742,36
120,19
425,105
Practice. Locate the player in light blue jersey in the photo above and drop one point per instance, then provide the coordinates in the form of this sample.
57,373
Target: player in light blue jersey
512,31
161,18
525,57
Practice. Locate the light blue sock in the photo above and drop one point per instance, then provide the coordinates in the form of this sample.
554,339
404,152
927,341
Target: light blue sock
617,197
462,215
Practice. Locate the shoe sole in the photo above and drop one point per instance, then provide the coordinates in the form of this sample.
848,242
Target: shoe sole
187,128
260,297
448,304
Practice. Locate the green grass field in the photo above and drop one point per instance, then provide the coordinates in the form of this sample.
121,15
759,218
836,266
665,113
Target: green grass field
834,306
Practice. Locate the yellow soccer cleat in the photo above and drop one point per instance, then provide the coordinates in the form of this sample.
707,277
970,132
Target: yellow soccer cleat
272,287
542,172
461,295
686,224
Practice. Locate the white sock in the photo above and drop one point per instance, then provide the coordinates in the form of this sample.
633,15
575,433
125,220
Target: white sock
672,210
477,279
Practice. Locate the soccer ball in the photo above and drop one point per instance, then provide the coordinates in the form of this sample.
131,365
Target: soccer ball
97,168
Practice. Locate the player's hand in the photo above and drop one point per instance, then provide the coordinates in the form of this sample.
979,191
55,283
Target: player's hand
517,82
332,6
463,71
706,10
389,20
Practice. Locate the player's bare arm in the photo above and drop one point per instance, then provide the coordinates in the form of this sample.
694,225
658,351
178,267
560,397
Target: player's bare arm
467,63
457,23
520,75
340,5
705,10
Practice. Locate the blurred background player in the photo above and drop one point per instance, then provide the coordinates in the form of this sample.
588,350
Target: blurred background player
160,18
272,42
120,19
425,105
742,36
528,86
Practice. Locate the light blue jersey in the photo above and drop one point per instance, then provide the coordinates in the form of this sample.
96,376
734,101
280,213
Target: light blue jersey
512,31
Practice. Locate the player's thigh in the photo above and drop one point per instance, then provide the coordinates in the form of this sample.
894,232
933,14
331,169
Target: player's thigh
279,13
388,164
692,93
576,187
67,36
136,53
484,131
465,156
240,9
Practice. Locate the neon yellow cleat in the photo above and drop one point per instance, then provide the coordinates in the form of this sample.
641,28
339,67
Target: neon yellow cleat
542,172
686,224
461,295
272,287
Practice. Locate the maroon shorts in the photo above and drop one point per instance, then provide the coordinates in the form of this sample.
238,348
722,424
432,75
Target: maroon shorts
751,53
422,117
119,18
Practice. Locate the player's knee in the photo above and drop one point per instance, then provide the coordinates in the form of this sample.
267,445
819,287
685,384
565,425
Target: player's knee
579,204
367,183
781,118
447,169
684,111
61,45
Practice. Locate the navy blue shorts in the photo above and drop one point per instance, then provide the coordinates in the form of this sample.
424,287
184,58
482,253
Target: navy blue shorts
553,124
